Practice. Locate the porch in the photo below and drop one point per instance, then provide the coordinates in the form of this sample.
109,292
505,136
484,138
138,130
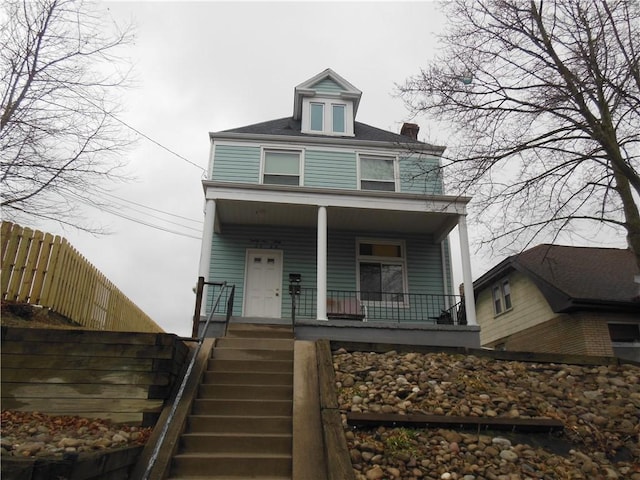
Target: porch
337,239
408,318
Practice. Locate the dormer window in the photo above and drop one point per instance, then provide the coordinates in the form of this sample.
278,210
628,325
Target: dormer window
317,117
326,116
338,113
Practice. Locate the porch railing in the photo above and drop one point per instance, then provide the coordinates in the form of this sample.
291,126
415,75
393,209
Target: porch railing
384,306
219,301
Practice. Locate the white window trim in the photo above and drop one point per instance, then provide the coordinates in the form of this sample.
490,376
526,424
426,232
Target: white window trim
388,260
328,103
500,285
285,148
336,104
324,116
396,169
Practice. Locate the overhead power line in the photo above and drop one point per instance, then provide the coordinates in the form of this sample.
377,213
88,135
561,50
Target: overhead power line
107,209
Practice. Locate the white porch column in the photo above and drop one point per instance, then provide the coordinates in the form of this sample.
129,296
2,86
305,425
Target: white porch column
321,268
469,302
207,239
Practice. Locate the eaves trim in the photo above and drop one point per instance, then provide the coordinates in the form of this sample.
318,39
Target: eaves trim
333,141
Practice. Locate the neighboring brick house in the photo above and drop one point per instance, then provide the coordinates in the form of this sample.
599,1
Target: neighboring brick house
562,299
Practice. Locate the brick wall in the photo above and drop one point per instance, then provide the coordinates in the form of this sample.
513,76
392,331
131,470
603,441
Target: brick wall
583,333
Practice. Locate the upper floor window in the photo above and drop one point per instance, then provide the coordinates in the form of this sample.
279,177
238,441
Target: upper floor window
327,116
377,173
501,297
338,117
317,117
281,167
382,271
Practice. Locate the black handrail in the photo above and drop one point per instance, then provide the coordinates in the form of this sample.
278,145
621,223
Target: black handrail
201,336
229,308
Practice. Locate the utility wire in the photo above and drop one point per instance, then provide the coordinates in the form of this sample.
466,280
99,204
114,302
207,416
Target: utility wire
156,142
106,209
112,115
104,192
109,202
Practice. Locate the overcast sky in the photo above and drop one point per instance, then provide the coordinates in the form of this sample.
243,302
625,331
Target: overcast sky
210,66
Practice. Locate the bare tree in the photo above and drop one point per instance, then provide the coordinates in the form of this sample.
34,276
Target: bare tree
543,99
60,75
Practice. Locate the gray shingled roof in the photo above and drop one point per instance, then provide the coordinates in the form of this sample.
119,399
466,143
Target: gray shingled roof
573,278
290,127
584,272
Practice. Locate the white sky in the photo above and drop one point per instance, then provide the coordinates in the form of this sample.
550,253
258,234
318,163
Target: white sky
211,66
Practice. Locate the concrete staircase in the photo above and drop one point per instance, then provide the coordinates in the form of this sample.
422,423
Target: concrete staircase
240,424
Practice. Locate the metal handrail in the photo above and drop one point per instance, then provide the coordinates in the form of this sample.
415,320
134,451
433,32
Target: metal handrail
176,401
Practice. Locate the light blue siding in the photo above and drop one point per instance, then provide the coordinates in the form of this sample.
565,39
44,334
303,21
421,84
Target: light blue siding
236,163
420,175
327,86
424,265
330,169
228,254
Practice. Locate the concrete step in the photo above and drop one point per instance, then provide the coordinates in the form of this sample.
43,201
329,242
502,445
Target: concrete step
273,366
235,443
242,407
248,330
248,378
246,392
239,424
255,343
214,464
251,354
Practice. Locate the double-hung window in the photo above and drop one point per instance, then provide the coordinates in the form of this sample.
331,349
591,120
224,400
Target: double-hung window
377,173
382,271
501,297
281,167
338,118
317,117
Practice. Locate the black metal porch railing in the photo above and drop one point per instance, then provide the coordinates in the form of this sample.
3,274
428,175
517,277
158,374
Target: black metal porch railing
384,306
219,301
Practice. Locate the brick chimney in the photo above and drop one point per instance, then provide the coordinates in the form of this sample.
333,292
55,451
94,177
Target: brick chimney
410,130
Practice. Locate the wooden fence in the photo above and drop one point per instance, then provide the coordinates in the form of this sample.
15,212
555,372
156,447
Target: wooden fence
41,269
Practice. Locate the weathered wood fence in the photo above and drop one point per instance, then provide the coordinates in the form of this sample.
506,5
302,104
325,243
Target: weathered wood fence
42,269
122,376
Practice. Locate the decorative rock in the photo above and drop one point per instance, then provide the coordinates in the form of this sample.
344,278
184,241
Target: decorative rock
348,381
376,473
598,405
394,472
509,455
502,442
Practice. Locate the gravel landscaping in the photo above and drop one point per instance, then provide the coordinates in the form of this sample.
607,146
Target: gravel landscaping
33,434
598,405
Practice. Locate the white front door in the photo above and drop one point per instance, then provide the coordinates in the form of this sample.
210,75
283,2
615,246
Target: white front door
263,285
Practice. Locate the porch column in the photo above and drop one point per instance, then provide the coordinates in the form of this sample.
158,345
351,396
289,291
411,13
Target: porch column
321,268
207,239
467,279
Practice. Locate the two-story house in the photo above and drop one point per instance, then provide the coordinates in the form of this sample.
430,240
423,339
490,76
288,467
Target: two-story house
354,216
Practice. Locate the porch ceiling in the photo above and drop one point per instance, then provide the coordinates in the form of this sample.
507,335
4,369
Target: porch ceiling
338,218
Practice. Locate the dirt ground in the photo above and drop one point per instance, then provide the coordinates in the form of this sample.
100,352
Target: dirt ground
32,316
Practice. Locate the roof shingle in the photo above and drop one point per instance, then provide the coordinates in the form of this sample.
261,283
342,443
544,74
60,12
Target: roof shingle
288,126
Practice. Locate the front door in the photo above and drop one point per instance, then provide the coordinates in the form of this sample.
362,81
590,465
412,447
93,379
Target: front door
263,286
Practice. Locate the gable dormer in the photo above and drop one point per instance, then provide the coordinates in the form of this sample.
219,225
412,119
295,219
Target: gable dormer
326,105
